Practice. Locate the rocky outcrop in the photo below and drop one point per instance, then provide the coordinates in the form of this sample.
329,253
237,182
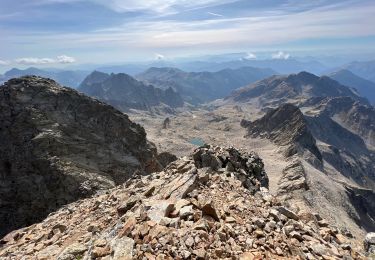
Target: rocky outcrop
287,127
193,209
369,243
124,92
293,178
294,88
57,145
166,158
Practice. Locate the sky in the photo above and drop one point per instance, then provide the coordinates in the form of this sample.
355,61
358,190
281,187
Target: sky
64,32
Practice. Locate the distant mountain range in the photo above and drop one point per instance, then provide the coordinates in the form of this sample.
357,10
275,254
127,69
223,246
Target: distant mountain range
124,92
282,66
365,88
364,69
198,87
294,88
69,78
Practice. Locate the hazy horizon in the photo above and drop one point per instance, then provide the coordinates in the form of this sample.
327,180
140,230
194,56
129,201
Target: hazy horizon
68,33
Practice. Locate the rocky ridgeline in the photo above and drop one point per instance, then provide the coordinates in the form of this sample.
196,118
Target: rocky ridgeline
213,204
287,127
58,145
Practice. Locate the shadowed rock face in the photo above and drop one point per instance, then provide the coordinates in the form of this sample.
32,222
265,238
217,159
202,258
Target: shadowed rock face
364,203
286,126
124,92
57,145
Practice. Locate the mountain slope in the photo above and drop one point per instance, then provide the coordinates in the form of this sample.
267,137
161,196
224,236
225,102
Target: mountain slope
198,87
124,92
57,145
364,87
67,78
294,88
336,152
359,118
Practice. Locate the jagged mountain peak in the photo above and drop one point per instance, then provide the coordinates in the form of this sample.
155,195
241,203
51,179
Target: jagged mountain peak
293,88
304,76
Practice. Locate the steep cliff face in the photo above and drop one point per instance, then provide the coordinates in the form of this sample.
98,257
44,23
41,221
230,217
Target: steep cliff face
124,92
57,145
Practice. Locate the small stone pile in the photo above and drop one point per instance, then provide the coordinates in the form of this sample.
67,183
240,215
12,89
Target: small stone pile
213,204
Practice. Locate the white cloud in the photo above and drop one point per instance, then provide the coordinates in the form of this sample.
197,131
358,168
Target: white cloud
280,56
215,14
159,56
158,6
3,62
35,61
65,59
250,56
29,61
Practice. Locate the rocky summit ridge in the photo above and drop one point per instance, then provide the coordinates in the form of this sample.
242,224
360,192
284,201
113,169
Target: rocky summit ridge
58,145
212,204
